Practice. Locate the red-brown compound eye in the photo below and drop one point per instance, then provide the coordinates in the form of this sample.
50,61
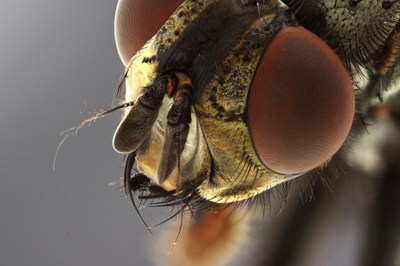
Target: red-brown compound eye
136,21
301,104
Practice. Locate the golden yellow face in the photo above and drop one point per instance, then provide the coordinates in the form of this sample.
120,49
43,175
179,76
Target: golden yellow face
230,98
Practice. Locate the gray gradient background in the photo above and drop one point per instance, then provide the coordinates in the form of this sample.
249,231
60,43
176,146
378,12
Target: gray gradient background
57,58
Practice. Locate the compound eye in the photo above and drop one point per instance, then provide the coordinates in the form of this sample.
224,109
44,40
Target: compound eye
301,104
136,21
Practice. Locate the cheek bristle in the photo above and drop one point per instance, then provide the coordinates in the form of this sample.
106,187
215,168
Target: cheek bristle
134,26
301,104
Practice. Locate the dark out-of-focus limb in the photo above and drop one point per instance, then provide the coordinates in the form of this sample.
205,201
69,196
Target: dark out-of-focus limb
325,231
286,232
382,243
